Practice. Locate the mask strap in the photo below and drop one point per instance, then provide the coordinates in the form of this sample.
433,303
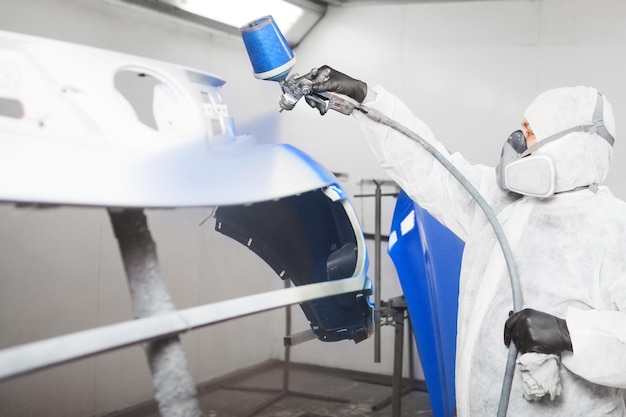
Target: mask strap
598,121
597,127
592,187
554,137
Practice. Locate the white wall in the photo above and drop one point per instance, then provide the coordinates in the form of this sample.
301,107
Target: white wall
467,68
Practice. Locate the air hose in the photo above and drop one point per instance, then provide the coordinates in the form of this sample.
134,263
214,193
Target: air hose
379,117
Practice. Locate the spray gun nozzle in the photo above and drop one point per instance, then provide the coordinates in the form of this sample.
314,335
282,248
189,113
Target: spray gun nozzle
288,101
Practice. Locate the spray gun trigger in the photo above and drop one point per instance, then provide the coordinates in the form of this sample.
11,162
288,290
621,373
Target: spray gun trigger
318,102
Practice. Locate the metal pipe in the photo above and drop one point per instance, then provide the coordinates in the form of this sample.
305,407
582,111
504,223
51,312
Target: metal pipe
396,391
374,195
287,347
377,272
34,356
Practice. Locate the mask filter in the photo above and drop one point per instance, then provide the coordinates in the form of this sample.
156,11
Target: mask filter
524,174
533,176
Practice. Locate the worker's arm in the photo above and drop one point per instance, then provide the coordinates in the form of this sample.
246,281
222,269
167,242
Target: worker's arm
591,342
419,174
599,335
423,178
599,346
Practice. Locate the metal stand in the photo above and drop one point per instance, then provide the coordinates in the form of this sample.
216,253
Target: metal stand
174,387
377,256
288,342
395,309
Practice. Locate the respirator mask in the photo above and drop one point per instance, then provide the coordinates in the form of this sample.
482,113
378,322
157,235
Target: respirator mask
535,175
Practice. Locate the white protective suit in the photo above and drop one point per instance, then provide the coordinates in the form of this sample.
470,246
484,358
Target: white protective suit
570,250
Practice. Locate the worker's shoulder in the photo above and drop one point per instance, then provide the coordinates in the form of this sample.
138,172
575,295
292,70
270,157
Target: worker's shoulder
589,210
607,208
605,197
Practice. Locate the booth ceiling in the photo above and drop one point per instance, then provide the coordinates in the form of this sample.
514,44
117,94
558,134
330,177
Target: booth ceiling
294,17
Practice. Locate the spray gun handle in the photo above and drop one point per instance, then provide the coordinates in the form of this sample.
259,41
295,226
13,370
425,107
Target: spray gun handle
342,104
337,102
331,101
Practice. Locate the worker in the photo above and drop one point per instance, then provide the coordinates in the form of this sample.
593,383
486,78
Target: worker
568,237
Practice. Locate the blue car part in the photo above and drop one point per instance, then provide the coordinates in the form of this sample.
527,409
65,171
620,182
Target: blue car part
308,239
427,257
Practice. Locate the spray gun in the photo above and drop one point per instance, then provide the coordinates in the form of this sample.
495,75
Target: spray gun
295,87
272,60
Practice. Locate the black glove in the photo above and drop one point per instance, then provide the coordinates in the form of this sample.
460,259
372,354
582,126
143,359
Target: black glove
535,331
340,83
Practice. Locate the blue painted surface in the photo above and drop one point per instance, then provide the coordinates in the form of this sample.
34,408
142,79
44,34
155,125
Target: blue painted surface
427,258
310,238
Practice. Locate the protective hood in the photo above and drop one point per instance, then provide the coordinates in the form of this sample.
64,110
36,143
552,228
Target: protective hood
580,158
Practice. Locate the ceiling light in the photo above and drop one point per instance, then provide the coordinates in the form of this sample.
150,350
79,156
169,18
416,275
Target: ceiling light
294,19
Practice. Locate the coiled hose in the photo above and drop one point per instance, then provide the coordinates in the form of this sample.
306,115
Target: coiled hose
379,117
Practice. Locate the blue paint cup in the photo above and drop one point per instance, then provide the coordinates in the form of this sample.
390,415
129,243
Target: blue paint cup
270,54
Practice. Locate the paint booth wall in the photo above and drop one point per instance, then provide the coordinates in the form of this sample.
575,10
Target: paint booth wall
467,68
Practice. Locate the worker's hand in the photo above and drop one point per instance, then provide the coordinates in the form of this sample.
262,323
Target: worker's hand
338,82
535,331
